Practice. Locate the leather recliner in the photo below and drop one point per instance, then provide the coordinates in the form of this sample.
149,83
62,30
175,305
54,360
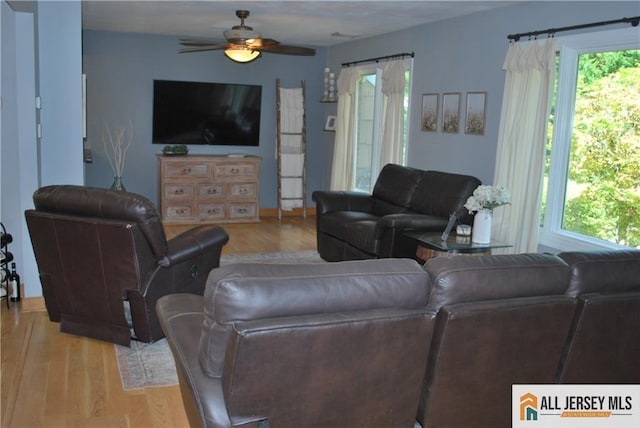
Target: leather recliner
103,256
321,345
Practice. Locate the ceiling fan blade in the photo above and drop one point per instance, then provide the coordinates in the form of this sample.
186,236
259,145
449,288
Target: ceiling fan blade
202,48
198,42
287,50
268,42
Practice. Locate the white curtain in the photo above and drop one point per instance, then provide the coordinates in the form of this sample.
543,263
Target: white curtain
393,85
342,167
392,127
530,68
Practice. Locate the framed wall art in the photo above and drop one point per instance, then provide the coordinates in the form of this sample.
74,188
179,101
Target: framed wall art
330,124
430,112
451,112
475,114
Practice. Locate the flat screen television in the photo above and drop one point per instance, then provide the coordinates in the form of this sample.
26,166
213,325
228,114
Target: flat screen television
206,113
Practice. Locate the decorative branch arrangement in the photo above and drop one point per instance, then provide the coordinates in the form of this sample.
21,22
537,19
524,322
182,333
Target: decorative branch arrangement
116,145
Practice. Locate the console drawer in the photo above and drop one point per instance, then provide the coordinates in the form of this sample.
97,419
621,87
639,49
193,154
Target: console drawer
243,190
235,170
179,212
178,190
211,191
211,211
238,211
187,169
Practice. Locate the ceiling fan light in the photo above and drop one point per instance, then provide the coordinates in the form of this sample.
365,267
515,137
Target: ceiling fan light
241,55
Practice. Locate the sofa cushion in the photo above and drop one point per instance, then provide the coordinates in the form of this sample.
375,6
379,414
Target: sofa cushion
394,188
442,193
603,271
254,291
337,222
467,279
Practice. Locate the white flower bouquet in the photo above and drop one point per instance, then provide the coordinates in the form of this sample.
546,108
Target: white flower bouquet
487,198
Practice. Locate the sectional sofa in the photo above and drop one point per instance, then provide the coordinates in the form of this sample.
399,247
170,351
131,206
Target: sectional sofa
390,343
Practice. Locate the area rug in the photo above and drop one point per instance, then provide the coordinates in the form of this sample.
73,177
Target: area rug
145,365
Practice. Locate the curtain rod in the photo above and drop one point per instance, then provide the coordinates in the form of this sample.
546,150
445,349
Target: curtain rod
551,31
380,58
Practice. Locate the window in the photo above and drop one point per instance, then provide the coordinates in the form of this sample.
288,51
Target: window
592,186
367,151
368,129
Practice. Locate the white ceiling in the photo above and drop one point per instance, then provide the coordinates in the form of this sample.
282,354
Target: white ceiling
308,22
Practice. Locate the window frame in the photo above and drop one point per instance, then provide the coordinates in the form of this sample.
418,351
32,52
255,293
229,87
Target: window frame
570,47
377,69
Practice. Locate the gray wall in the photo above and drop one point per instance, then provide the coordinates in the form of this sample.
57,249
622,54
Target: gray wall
41,54
458,55
466,54
120,69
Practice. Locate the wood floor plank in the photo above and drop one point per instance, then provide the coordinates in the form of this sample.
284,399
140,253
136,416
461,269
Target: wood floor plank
16,333
58,382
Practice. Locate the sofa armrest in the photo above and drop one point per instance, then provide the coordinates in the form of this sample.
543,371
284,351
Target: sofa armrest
327,201
400,222
193,243
180,316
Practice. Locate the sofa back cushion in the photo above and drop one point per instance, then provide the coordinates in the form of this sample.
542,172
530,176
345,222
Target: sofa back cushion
255,291
603,271
603,346
507,314
86,266
443,193
394,189
471,279
91,202
346,369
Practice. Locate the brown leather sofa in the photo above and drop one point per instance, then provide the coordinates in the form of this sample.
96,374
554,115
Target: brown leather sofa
103,258
322,345
292,346
355,225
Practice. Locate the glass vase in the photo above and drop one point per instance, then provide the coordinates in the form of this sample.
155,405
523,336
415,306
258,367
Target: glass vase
117,184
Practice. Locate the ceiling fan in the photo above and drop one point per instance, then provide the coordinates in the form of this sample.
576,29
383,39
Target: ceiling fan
244,44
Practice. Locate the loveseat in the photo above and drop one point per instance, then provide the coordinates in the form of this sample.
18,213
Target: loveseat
357,225
390,343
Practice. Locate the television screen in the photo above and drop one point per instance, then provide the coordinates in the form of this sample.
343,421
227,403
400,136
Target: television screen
206,113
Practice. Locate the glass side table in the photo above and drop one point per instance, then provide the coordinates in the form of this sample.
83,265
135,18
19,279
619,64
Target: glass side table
430,244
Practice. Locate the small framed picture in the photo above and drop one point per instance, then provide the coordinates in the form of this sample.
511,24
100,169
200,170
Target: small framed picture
430,112
330,124
451,112
475,115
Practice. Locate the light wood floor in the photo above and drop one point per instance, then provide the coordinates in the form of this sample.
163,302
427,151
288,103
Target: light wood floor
53,379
